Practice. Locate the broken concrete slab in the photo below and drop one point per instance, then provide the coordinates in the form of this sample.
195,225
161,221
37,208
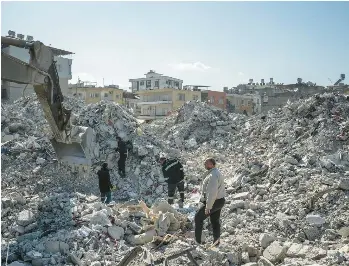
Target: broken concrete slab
265,239
275,252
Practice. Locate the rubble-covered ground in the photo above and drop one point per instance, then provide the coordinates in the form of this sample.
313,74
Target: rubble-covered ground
287,178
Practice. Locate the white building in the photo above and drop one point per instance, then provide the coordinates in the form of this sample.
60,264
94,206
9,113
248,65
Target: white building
154,81
11,91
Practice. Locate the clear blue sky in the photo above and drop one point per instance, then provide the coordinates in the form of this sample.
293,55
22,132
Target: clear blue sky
210,43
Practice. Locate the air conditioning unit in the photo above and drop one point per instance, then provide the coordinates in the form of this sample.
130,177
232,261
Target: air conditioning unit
30,38
20,36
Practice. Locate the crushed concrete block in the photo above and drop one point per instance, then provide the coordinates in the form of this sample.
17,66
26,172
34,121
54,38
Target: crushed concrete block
236,204
315,219
240,196
311,232
116,232
275,252
25,217
265,239
344,184
56,247
344,231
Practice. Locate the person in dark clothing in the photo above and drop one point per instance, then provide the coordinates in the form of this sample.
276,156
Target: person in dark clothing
213,199
105,185
173,173
122,148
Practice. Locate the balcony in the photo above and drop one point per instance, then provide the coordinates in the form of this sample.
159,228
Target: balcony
150,116
155,102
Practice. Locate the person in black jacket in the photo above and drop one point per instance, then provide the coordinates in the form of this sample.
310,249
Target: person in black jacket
105,185
122,148
173,173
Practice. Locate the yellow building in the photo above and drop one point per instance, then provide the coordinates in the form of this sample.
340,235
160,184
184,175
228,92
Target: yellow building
92,94
160,102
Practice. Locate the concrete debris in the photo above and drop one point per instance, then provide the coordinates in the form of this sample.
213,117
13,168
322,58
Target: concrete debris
275,252
315,219
265,240
274,167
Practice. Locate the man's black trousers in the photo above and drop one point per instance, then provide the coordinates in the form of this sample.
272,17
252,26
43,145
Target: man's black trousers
121,162
214,215
172,190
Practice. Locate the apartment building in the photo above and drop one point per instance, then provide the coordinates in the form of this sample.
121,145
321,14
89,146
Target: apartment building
167,95
215,98
154,81
244,103
91,93
11,91
131,101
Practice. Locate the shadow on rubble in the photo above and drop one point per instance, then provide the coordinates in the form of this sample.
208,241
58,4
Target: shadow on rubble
53,197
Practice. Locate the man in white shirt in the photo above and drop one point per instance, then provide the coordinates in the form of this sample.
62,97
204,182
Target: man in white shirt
213,199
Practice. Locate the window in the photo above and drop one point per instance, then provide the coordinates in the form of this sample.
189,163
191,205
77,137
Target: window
212,99
176,84
58,68
221,101
156,84
169,82
141,83
117,96
148,84
69,70
106,94
94,95
181,97
195,97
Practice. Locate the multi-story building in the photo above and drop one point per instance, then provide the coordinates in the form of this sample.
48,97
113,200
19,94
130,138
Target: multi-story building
160,95
215,98
154,81
131,101
244,103
159,103
11,91
92,93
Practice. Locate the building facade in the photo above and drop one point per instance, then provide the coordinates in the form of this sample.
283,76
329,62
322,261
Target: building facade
159,103
94,94
215,98
244,103
131,101
154,81
11,91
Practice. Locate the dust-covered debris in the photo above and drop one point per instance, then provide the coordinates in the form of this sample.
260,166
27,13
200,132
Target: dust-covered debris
286,177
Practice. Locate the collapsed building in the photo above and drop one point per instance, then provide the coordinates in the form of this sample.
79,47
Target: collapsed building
287,178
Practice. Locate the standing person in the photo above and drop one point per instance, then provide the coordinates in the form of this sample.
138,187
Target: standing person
212,197
123,151
173,173
105,185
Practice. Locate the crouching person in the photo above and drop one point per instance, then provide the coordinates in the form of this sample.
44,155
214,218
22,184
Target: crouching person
213,199
105,185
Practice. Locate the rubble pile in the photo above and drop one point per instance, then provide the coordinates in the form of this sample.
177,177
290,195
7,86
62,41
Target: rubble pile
196,123
287,179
